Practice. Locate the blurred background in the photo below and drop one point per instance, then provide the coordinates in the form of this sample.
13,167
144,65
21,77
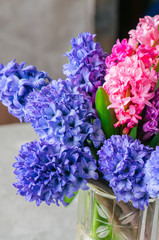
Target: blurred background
39,32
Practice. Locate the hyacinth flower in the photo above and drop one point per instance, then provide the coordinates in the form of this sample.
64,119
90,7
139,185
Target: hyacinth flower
122,161
86,67
130,86
16,83
62,112
50,172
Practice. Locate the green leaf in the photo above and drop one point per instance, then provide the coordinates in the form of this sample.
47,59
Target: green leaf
155,141
157,86
157,70
133,133
69,200
157,67
107,116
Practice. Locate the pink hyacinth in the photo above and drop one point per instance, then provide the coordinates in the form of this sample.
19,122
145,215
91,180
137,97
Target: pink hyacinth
130,86
146,32
119,52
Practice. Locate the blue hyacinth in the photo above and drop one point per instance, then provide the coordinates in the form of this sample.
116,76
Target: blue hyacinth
152,174
49,172
122,161
16,82
60,112
86,65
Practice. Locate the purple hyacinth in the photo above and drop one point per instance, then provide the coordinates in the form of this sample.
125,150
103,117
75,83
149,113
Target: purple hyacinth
122,161
151,118
60,112
50,172
86,65
16,82
152,174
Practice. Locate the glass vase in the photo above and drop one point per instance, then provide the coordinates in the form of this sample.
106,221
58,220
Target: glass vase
101,217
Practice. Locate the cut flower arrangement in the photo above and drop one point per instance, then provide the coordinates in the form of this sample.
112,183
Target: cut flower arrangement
100,125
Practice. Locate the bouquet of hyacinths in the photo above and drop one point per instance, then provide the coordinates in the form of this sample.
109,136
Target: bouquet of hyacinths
100,125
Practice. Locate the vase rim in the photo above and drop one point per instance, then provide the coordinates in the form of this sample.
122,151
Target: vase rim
109,195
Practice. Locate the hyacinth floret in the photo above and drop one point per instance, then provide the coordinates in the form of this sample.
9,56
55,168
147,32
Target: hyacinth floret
60,112
152,173
122,161
86,65
49,172
97,136
16,82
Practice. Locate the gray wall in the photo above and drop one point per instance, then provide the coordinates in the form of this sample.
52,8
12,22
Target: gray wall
39,31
